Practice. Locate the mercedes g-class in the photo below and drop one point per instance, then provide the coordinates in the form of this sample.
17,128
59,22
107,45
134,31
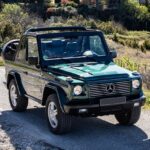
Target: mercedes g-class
71,71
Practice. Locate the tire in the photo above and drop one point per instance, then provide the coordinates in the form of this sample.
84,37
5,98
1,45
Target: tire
130,117
58,122
18,103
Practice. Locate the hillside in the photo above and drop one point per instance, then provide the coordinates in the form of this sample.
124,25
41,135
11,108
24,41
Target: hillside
131,40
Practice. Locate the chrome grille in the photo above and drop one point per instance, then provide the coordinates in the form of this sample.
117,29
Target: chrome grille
98,89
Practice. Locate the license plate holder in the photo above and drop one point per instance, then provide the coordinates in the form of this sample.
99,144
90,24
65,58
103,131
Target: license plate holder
112,101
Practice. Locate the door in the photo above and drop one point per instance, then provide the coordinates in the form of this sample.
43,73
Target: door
33,81
30,74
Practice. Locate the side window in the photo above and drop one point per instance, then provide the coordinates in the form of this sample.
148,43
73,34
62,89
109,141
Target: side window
21,56
97,46
10,50
32,47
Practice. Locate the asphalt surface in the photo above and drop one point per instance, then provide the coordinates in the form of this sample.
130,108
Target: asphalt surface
28,130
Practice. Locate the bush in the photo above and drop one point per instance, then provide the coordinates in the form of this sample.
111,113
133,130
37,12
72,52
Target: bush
51,5
111,27
91,24
48,3
146,44
70,10
72,4
65,11
51,11
134,44
143,49
115,38
16,15
14,21
134,15
83,10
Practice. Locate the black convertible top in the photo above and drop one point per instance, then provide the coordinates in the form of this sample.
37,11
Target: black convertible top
35,31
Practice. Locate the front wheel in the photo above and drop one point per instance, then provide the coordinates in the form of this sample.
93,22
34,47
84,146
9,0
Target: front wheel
58,122
18,103
130,117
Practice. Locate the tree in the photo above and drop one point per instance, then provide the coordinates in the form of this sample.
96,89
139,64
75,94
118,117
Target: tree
97,4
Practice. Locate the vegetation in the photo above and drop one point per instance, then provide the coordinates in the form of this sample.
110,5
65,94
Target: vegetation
129,13
134,16
14,20
1,62
135,39
147,93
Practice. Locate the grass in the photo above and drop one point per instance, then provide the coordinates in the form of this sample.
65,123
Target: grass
1,62
147,94
133,39
139,35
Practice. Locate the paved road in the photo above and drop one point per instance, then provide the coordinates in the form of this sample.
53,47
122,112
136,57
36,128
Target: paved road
29,130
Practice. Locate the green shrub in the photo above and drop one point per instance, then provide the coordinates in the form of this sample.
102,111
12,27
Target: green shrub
51,5
127,63
72,4
115,37
83,9
134,44
111,27
121,41
134,15
71,22
143,49
91,24
14,21
14,13
1,63
146,44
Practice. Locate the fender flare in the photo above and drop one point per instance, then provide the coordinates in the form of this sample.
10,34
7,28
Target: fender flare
62,99
14,75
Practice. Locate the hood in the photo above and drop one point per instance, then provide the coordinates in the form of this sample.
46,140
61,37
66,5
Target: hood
91,70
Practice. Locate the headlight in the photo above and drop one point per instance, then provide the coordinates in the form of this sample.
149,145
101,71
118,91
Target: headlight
135,84
77,90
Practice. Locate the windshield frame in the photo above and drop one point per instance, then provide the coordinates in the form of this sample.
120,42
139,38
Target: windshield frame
74,59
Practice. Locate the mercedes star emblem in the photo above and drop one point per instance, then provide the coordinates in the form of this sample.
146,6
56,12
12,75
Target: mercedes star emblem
110,88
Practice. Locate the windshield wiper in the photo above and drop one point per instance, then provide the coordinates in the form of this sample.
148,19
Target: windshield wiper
92,58
61,58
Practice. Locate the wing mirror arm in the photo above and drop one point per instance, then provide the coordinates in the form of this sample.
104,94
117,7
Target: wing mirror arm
113,53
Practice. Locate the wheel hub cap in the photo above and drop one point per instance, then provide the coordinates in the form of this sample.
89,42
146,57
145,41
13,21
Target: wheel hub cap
13,95
52,114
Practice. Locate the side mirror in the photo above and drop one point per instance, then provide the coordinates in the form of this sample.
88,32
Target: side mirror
113,53
33,60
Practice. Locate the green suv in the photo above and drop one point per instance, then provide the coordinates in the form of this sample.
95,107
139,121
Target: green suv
71,71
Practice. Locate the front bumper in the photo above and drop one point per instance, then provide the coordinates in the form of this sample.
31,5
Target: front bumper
96,109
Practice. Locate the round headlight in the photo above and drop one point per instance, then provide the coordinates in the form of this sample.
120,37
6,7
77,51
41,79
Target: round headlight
77,90
135,84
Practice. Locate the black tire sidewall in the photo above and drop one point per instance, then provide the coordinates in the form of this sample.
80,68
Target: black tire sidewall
131,117
12,82
22,102
61,128
53,98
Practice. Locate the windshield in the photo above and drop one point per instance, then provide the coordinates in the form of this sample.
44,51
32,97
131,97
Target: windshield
72,46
